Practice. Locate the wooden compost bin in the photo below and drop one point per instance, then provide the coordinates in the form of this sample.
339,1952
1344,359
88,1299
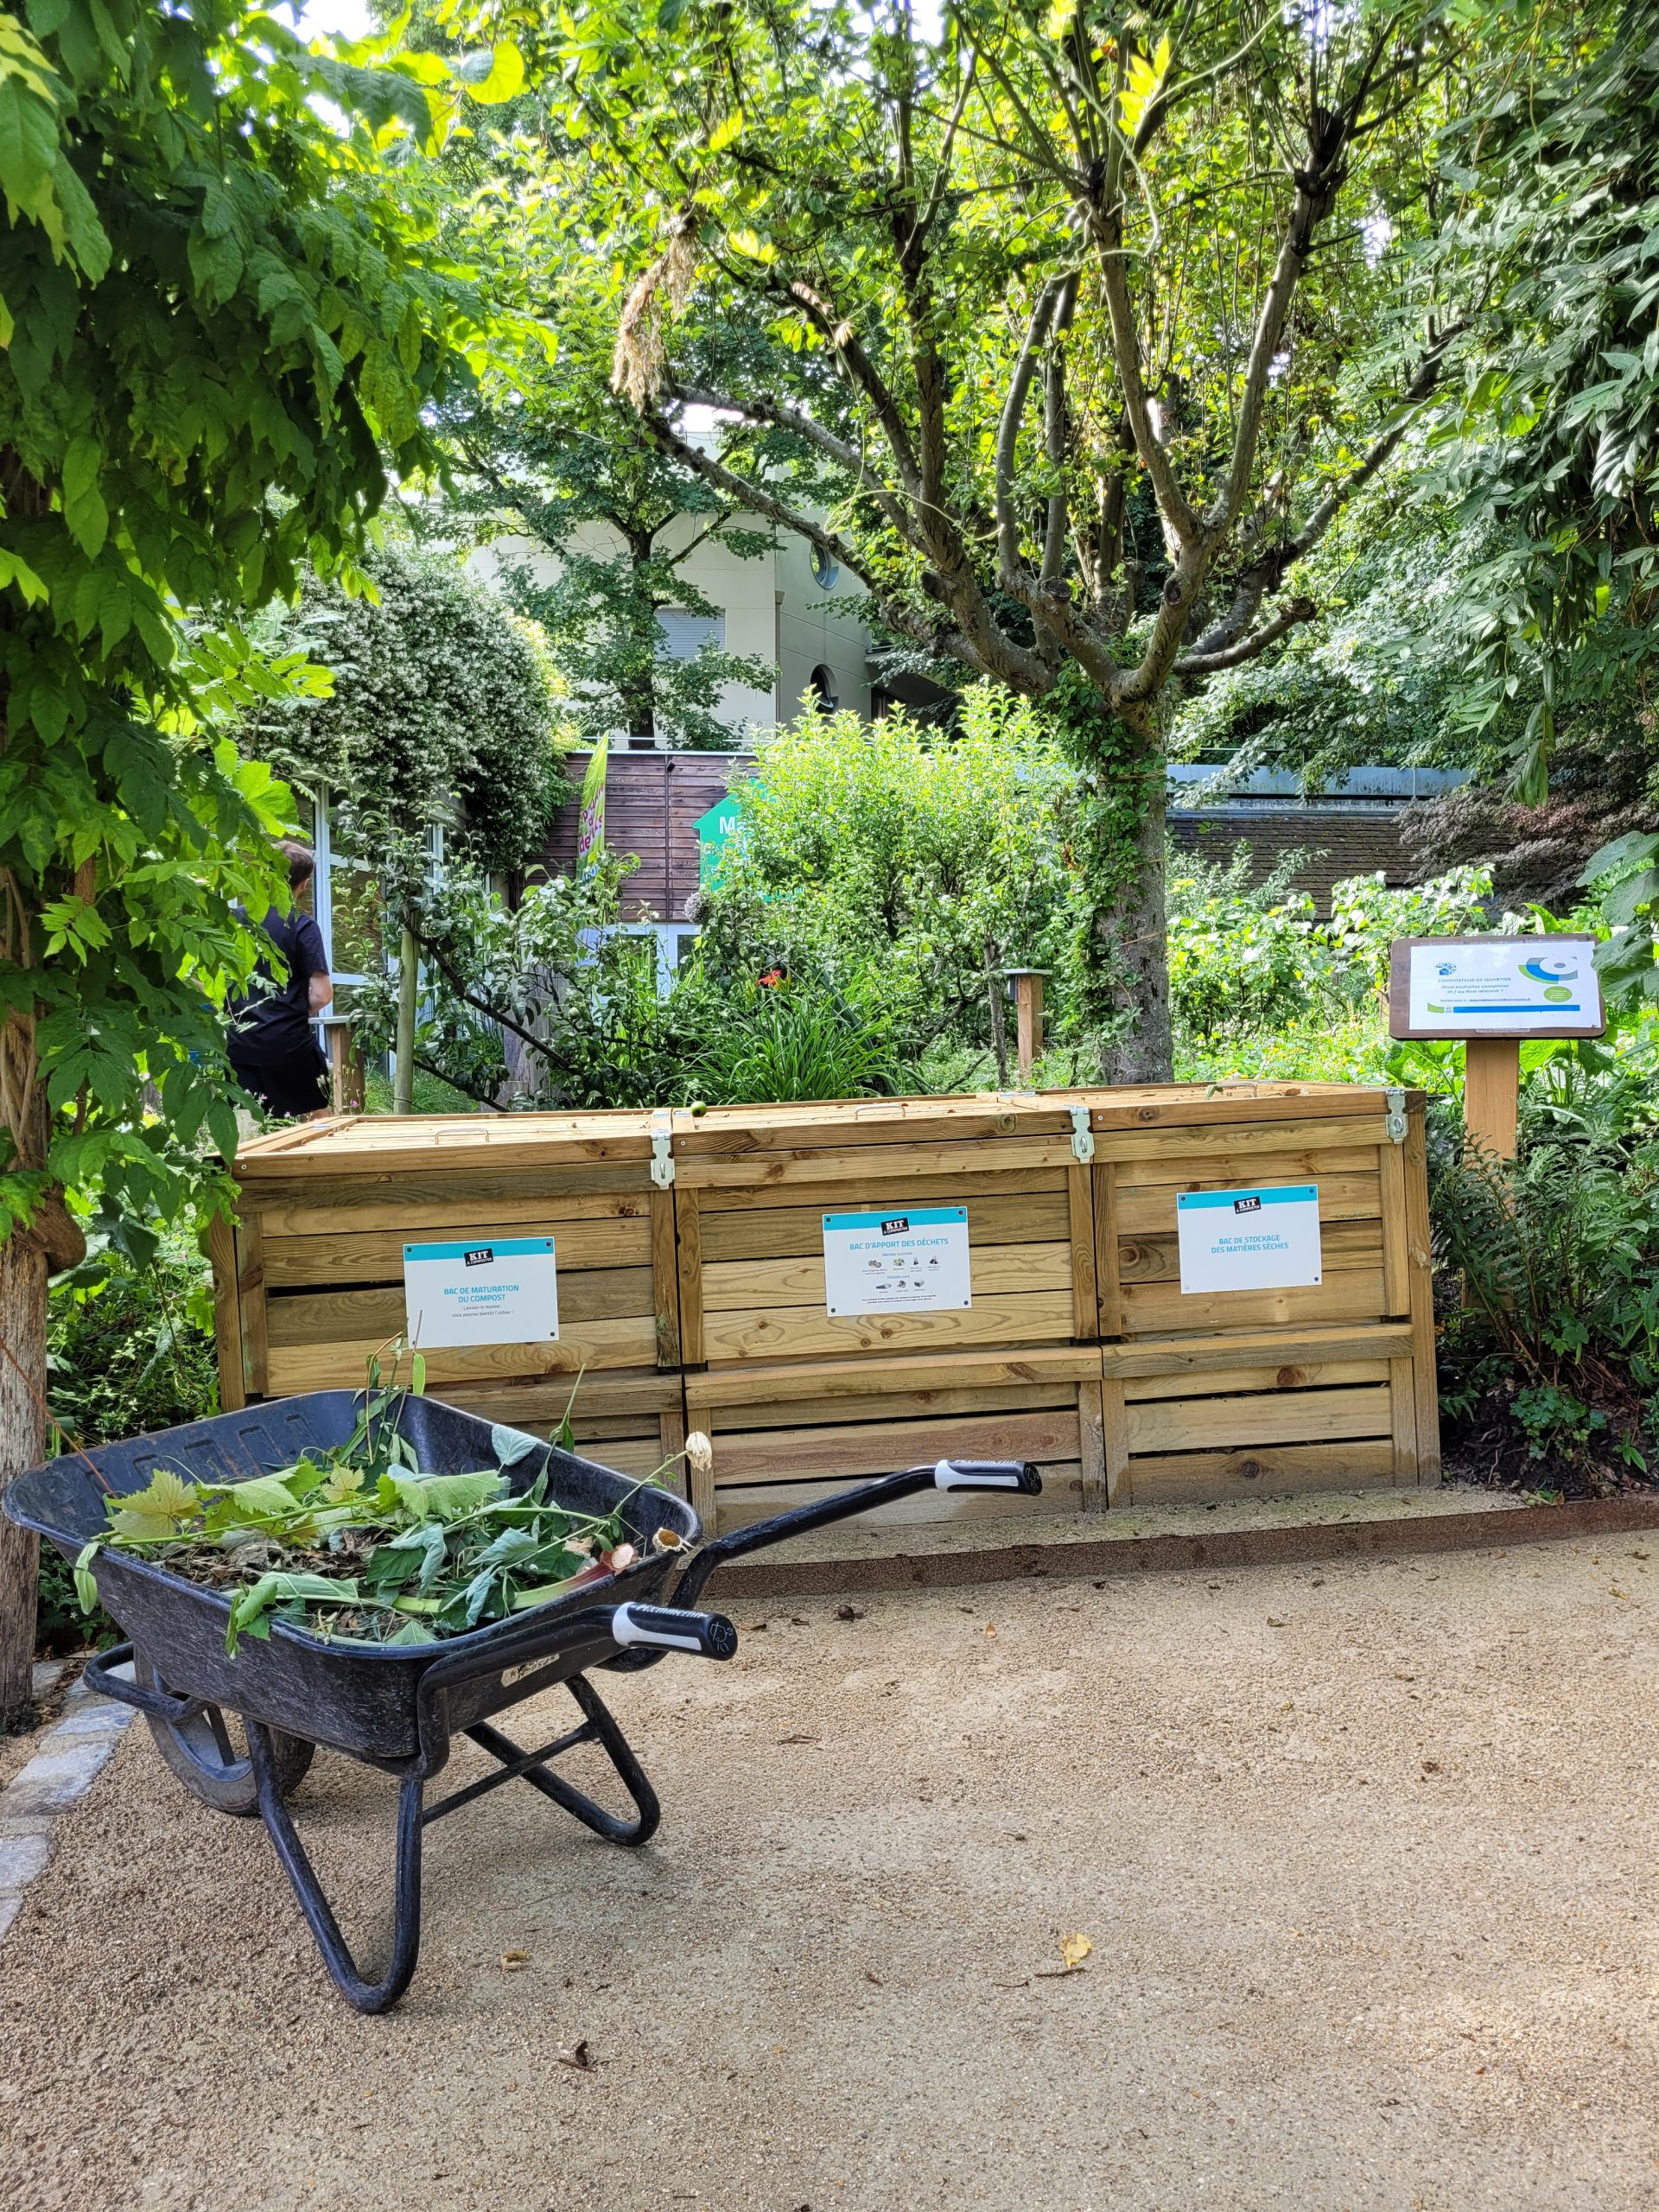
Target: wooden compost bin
311,1281
692,1288
797,1400
1246,1393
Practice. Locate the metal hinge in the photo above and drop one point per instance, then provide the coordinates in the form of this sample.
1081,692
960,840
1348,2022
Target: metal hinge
1396,1120
1083,1137
662,1158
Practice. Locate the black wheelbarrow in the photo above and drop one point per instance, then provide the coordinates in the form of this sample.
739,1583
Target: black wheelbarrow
399,1708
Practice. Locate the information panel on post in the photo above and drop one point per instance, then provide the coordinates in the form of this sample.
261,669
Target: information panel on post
1474,987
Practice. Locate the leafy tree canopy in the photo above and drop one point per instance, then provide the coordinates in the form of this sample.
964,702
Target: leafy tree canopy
996,281
441,710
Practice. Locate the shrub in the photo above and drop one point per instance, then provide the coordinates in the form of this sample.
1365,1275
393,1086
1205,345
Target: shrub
796,1039
1549,1269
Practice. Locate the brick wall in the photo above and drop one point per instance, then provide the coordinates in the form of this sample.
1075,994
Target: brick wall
1338,841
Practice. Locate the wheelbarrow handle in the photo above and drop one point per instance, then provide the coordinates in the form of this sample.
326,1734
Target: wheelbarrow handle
100,1677
1015,1475
669,1628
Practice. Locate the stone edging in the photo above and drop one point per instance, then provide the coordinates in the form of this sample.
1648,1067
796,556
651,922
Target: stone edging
72,1753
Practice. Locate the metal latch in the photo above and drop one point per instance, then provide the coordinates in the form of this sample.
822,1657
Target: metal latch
662,1157
1083,1137
1396,1120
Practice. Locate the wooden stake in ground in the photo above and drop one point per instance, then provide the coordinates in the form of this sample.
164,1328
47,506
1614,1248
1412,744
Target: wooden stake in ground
1491,1093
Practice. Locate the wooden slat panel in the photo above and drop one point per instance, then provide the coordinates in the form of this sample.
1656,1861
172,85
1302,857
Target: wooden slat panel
665,1278
1356,1296
1091,1437
376,1255
796,1231
1177,1478
1115,1440
1176,1355
1324,1375
688,1218
227,1316
895,1192
1080,1231
788,1169
1396,1273
389,1201
787,1412
1222,1141
593,1345
755,1134
1109,1227
538,1402
1148,1209
802,1334
1062,1493
739,1285
1240,1105
1214,1171
1284,1417
251,1294
1403,1404
316,1318
1343,1245
881,1448
1043,1366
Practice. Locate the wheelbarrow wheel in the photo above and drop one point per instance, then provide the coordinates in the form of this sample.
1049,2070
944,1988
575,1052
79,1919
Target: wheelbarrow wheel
209,1753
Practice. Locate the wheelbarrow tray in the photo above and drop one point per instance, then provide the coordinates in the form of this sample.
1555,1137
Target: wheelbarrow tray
360,1698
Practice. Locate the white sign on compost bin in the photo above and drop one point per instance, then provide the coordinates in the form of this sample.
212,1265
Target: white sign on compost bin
913,1261
1250,1240
501,1290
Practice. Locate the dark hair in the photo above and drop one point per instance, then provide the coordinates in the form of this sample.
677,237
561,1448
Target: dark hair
302,861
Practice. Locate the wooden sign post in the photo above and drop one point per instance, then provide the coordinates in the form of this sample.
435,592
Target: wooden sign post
1492,992
1028,1014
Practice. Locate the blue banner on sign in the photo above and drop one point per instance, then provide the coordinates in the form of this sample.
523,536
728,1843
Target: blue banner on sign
504,1247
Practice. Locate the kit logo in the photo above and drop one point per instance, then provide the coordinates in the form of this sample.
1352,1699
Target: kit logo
1246,1205
897,1226
483,1257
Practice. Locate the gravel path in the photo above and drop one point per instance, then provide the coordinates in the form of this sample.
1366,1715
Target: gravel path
1365,1853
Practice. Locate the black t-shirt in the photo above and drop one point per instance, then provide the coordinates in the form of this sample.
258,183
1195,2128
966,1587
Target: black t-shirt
272,1019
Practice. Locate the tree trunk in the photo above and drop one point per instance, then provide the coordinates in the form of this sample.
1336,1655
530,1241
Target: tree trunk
1118,847
999,1017
22,1444
402,1073
1137,934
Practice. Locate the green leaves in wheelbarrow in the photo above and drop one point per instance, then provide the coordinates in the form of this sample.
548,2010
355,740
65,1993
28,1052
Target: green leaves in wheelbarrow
439,1497
251,1609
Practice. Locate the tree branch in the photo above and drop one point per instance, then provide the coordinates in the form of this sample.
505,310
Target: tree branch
1209,663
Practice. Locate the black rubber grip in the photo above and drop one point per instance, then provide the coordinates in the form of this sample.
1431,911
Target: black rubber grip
667,1628
1016,1475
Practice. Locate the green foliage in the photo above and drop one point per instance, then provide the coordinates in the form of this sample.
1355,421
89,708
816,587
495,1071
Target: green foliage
1245,959
359,1542
224,327
131,1342
1549,440
441,709
1551,1320
545,1004
900,866
798,1040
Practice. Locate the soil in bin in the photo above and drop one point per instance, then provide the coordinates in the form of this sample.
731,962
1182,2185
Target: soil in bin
1362,1850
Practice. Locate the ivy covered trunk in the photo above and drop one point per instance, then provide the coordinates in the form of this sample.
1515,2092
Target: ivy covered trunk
22,1391
1117,849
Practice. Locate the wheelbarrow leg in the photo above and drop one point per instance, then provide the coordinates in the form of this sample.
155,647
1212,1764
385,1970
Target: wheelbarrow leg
367,1996
601,1729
